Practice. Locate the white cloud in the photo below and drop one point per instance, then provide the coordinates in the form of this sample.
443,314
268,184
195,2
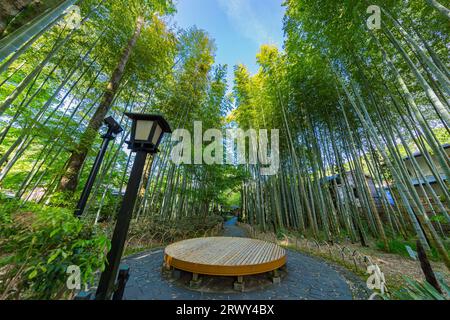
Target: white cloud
242,15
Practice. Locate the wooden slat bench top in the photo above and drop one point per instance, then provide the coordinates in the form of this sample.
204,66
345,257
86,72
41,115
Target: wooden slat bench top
225,256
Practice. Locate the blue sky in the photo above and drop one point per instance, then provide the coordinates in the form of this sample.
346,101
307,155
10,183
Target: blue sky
239,27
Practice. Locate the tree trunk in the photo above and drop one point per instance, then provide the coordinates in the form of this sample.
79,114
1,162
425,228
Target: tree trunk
434,99
31,20
426,268
69,181
9,9
439,7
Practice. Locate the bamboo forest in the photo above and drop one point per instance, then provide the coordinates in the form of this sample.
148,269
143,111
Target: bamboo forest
224,150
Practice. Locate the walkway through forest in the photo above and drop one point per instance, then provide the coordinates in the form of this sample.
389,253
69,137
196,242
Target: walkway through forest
231,229
334,132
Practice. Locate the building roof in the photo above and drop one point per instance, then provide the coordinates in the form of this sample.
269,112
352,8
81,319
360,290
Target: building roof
429,179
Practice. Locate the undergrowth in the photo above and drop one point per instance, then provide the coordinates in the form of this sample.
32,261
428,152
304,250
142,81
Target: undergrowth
38,244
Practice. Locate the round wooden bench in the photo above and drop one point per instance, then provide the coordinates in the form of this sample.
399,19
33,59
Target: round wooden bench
224,256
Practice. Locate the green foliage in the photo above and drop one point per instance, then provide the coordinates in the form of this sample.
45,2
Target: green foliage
439,218
397,246
62,200
38,245
231,198
415,290
281,233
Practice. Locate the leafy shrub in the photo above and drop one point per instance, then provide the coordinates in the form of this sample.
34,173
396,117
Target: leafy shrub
398,247
281,232
38,244
62,199
415,290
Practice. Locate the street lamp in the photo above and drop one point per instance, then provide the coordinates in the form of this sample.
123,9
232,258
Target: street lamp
146,134
114,129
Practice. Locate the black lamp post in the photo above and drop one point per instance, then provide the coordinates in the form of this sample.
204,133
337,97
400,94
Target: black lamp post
114,129
146,134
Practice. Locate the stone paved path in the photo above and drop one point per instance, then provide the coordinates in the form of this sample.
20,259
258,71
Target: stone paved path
307,278
230,229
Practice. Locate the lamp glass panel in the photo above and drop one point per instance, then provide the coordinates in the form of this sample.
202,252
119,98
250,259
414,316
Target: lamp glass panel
158,132
143,128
